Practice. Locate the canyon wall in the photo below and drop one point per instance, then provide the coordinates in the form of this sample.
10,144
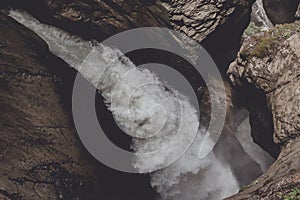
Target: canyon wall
44,157
269,62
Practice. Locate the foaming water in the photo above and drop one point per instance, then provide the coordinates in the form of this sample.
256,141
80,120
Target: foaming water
161,121
190,178
143,107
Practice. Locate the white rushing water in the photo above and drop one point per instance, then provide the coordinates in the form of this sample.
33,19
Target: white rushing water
140,104
190,178
154,111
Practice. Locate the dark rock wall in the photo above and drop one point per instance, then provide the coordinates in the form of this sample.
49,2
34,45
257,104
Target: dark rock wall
217,24
39,152
281,11
92,19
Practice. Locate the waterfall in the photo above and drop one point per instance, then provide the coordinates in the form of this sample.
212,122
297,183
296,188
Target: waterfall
155,110
140,104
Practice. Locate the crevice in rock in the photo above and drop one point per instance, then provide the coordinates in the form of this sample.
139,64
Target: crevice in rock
261,119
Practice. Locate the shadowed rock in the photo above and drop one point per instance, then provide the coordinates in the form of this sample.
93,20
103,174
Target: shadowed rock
281,11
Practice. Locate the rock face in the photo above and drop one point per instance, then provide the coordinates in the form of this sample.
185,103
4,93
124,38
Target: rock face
213,23
39,153
270,61
218,25
259,16
95,19
281,11
198,19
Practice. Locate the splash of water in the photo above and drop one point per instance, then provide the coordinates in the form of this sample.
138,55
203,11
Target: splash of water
140,104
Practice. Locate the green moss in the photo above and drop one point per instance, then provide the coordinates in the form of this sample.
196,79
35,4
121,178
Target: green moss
263,47
252,29
266,43
293,195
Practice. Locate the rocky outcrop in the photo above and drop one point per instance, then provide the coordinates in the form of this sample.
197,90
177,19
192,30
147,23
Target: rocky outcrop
281,11
259,17
198,19
270,63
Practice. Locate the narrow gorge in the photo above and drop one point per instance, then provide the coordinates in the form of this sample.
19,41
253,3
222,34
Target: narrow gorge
255,155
